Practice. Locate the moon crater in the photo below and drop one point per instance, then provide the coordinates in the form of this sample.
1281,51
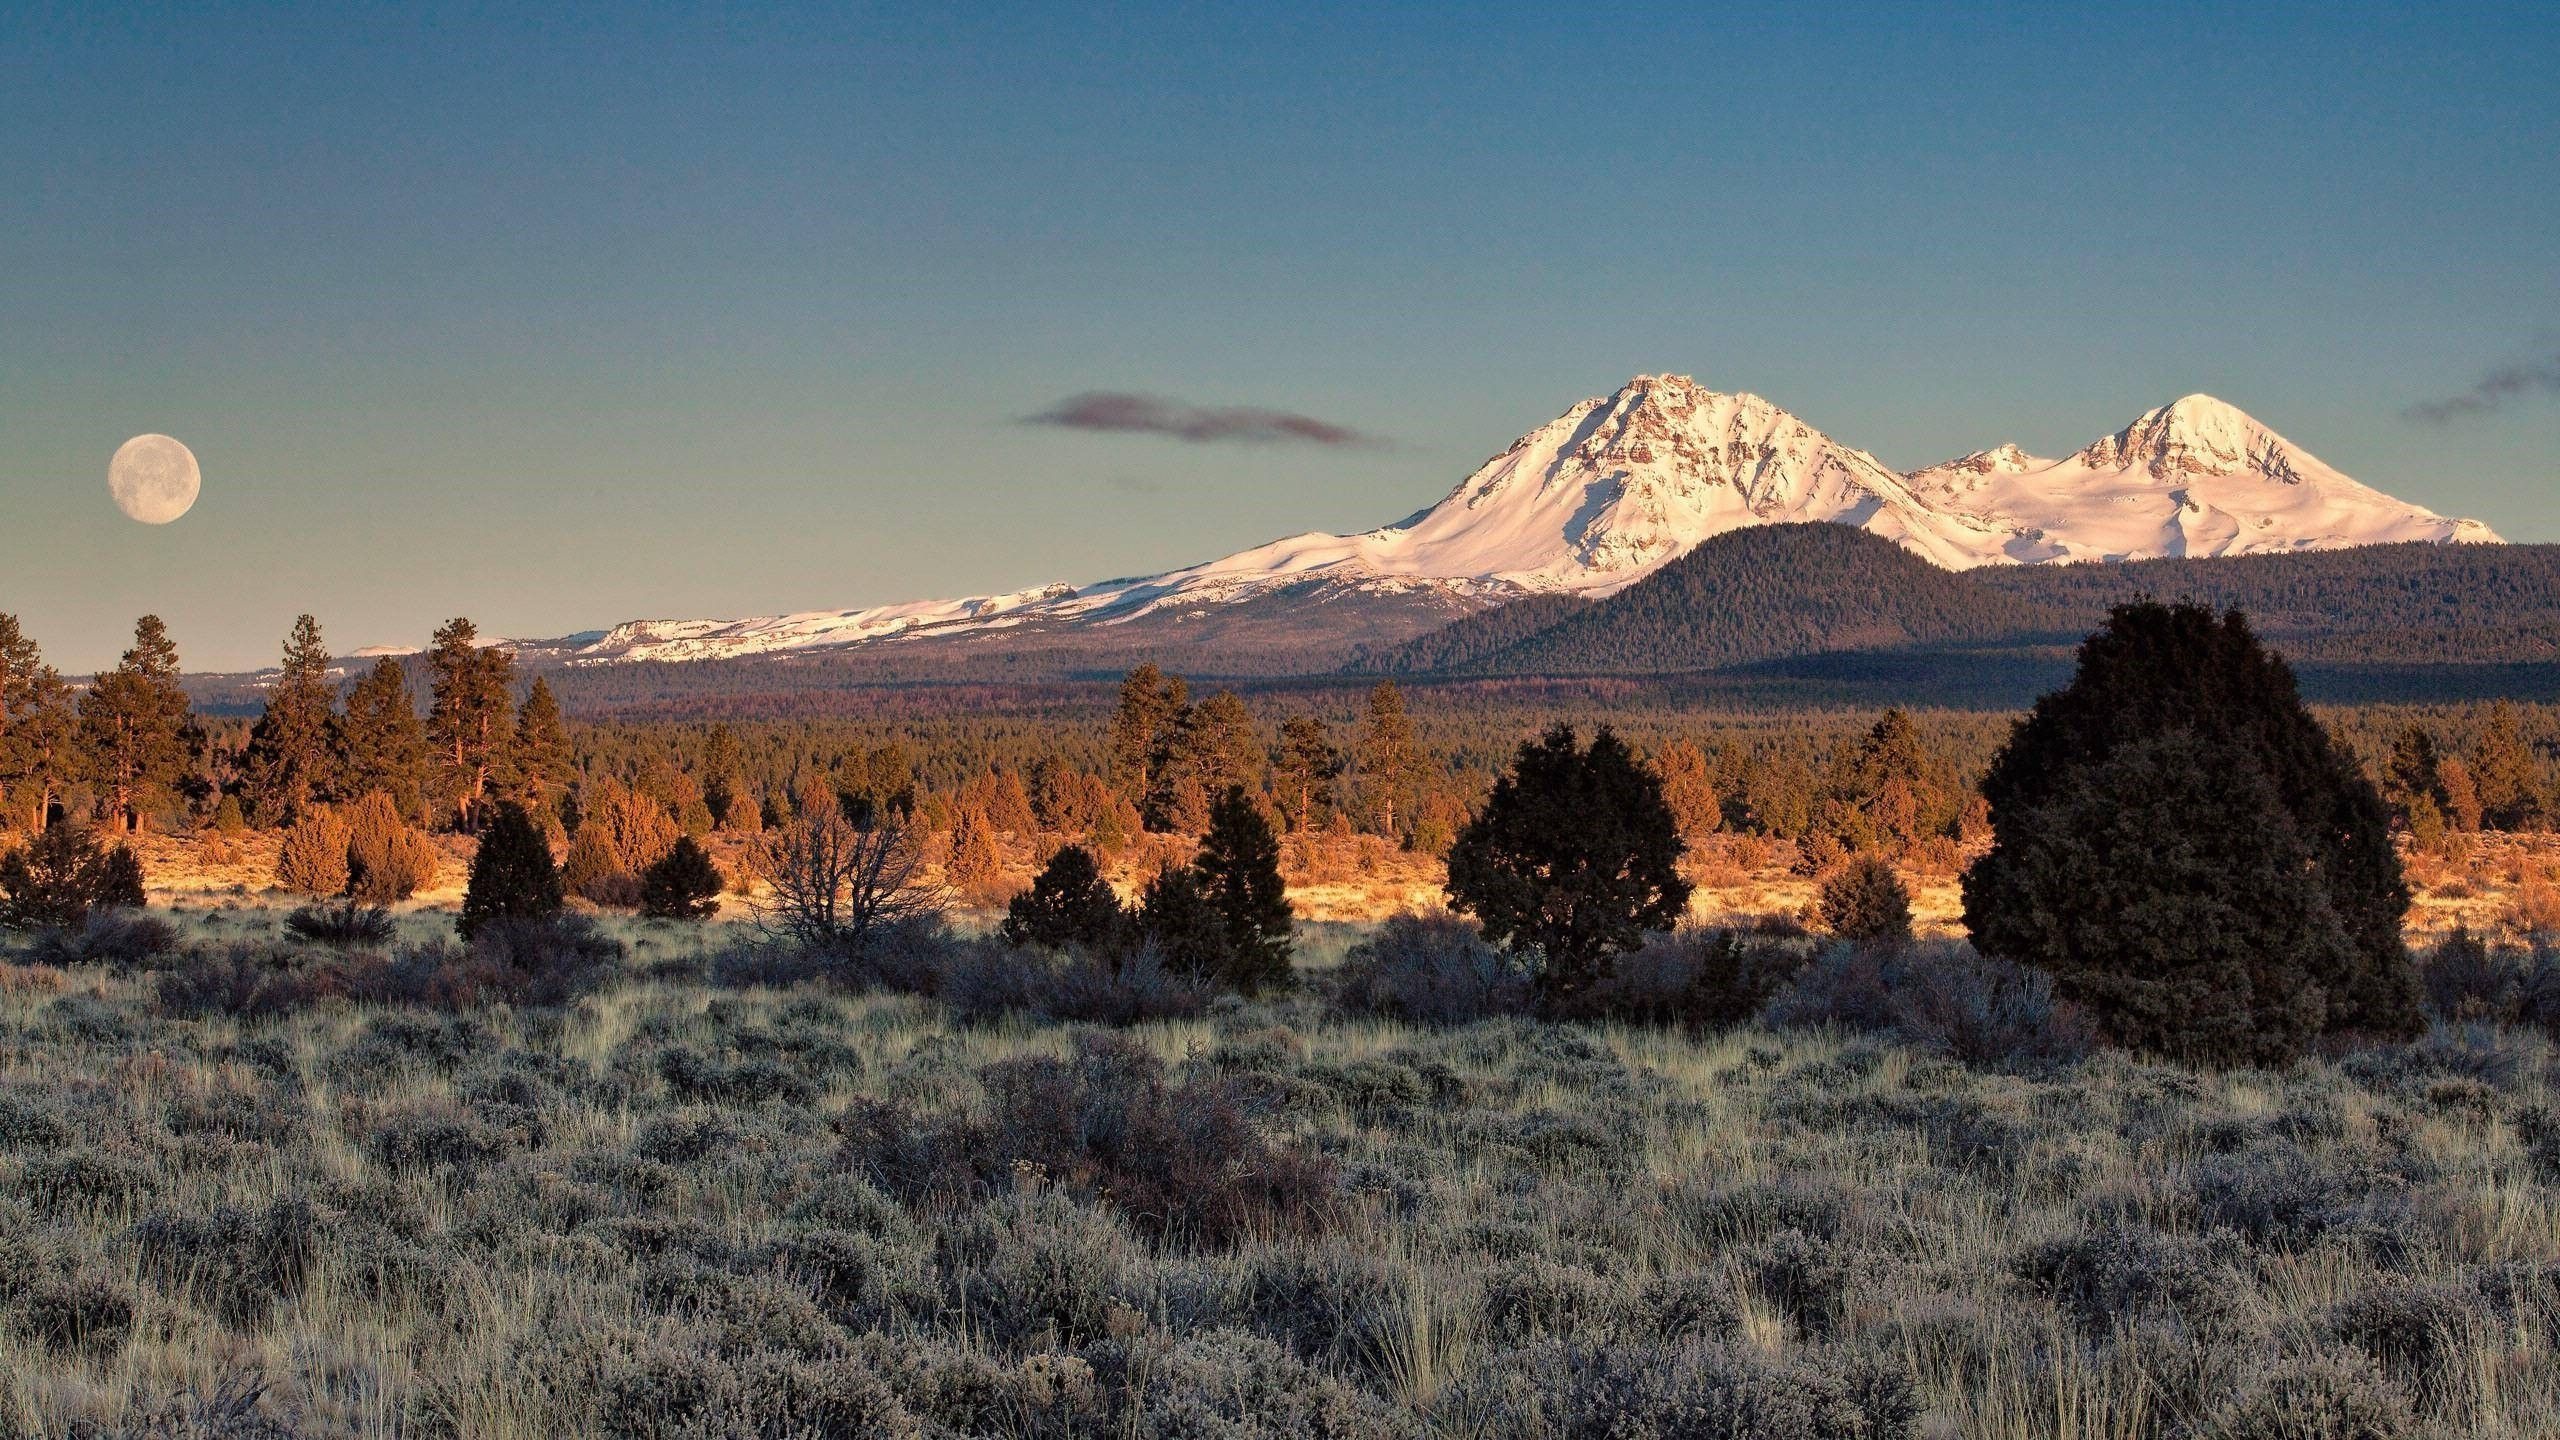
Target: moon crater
154,479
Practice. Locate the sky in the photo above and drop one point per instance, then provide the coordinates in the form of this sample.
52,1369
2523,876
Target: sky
640,310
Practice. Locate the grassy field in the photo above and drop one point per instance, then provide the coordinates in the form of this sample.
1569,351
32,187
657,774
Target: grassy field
674,1210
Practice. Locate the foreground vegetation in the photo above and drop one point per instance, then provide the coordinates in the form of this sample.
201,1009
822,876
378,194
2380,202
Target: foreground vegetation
671,1208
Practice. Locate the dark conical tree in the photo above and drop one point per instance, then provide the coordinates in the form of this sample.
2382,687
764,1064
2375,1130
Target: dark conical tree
1068,907
1239,865
684,885
1866,904
382,744
1573,859
137,728
470,721
1176,916
2326,931
538,763
512,877
292,749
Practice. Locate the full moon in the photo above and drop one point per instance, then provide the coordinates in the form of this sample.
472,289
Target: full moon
153,478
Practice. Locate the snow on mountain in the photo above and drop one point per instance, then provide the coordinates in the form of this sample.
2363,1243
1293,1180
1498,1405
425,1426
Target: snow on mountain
1617,487
2195,477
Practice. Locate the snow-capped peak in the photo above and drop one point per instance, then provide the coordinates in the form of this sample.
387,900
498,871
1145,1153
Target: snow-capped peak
1619,485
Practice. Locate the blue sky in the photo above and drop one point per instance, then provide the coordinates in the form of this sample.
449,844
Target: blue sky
651,311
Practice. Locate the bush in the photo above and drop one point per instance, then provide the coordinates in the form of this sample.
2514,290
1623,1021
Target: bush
238,981
387,861
2465,978
1943,998
233,1262
1704,979
55,880
1434,969
683,885
1864,903
512,877
126,939
313,857
1180,1161
1575,1390
344,925
983,982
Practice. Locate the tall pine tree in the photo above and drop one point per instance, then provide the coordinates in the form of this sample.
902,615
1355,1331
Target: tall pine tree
2503,773
37,732
1309,761
471,719
138,730
382,744
292,752
1387,759
539,762
1239,865
1150,703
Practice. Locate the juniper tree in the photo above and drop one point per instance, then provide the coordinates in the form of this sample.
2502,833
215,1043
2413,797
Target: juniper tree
2248,870
512,877
137,729
683,885
1239,865
292,749
1068,907
1573,858
58,877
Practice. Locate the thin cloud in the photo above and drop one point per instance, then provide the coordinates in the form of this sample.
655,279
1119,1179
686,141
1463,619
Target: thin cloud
1113,410
2531,378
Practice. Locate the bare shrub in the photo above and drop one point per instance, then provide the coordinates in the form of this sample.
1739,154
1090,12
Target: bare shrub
837,884
1939,997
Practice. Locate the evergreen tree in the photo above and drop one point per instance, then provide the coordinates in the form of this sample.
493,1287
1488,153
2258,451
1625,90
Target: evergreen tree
1689,788
138,730
2414,776
1309,761
38,730
1866,904
2251,874
469,722
512,877
538,762
1142,727
685,885
1068,907
382,744
1239,865
976,866
2503,773
2461,797
54,880
1385,755
724,784
1189,934
1573,858
293,748
1211,746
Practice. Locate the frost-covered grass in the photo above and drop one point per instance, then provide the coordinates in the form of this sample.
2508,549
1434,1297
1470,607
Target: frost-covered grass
670,1210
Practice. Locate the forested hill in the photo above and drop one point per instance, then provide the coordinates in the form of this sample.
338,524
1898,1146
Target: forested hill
1779,592
1754,594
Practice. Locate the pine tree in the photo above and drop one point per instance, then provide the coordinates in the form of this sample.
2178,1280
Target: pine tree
1386,758
382,744
1309,762
724,783
538,761
1188,933
137,728
1239,865
2414,776
976,866
1573,858
1142,725
1068,907
684,885
292,749
469,722
2503,773
2246,868
512,877
38,732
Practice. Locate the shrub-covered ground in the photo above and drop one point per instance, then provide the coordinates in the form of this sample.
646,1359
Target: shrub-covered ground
669,1209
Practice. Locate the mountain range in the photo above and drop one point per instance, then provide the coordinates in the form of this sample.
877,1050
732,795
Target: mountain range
1612,491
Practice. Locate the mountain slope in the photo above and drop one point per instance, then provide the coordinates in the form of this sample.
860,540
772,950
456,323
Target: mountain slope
1615,488
1754,594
